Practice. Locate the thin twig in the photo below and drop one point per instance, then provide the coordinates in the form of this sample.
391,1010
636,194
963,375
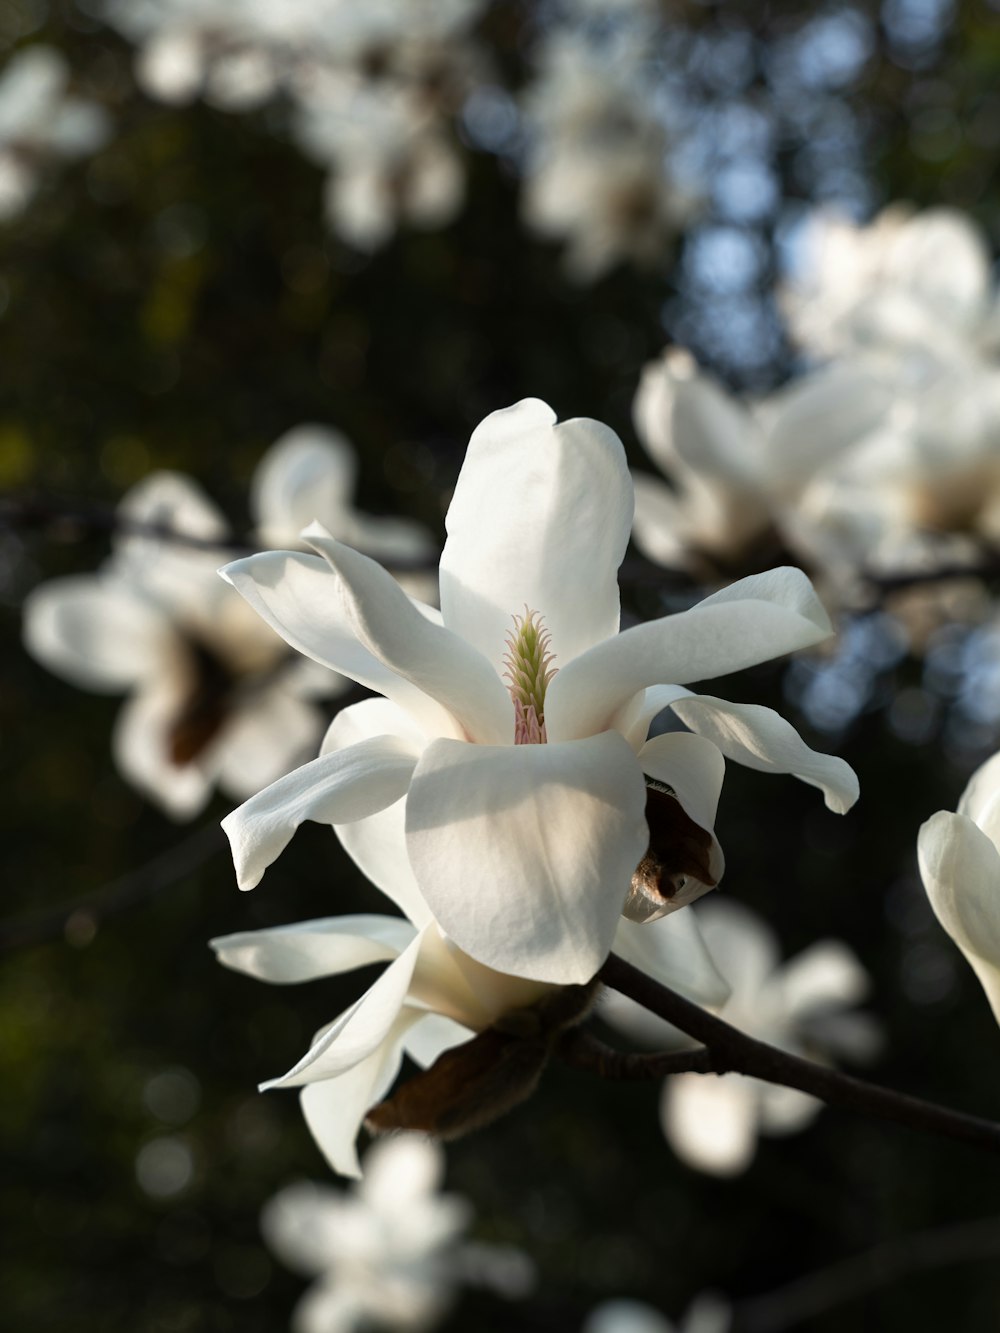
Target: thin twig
130,889
731,1051
76,518
73,519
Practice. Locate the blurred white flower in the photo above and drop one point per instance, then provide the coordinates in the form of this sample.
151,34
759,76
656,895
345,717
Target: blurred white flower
713,1122
390,157
432,997
960,865
373,88
387,1253
907,279
215,696
40,122
533,774
599,174
910,298
737,470
708,1313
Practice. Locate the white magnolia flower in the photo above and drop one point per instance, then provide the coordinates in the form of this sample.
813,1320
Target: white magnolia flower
431,997
911,299
960,866
905,278
600,174
525,851
215,696
713,1122
390,157
707,1313
39,122
737,469
388,1253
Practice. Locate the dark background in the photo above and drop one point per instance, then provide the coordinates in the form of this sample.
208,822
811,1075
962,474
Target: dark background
177,302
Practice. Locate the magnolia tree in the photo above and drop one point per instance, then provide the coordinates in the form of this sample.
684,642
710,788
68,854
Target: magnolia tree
657,728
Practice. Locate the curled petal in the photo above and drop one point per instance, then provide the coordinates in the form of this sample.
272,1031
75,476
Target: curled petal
540,519
360,1030
335,1107
525,853
754,620
311,949
760,738
333,789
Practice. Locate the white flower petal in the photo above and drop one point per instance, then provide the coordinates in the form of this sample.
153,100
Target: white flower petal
525,853
785,1110
673,952
335,1107
311,949
817,418
377,846
443,666
293,1223
711,1122
333,789
540,519
760,738
176,502
754,620
266,737
432,1036
825,976
692,766
960,867
297,596
96,633
139,743
625,1316
308,474
370,718
360,1030
659,526
981,799
746,952
401,1171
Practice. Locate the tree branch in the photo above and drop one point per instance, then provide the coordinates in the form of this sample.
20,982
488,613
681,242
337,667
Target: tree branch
728,1050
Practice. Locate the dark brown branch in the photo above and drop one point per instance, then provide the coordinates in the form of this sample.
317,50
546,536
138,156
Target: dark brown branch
130,889
731,1051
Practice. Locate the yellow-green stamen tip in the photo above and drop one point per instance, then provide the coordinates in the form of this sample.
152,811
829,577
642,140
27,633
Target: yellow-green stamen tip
529,669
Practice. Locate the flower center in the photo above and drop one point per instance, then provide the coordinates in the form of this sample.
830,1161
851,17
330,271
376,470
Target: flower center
529,670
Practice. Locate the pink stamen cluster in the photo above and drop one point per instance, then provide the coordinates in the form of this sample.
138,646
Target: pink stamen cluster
529,669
